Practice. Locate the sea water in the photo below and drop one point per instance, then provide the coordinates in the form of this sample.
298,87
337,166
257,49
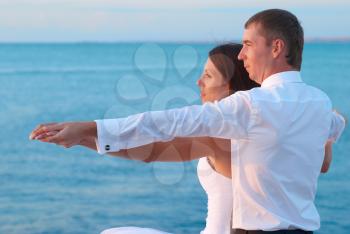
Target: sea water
49,189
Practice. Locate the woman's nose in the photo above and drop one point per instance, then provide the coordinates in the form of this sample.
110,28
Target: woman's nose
200,82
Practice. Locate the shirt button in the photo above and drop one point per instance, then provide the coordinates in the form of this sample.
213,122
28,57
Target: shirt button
107,147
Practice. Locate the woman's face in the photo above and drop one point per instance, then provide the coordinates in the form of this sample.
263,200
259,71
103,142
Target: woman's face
212,84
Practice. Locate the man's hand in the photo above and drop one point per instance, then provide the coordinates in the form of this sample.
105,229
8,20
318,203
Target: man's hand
64,134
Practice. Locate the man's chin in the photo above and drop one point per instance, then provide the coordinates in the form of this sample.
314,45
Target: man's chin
253,78
256,79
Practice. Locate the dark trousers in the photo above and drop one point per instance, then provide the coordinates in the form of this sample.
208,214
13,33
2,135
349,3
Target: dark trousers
241,231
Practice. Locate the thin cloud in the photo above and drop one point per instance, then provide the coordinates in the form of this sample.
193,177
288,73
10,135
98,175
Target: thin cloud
199,20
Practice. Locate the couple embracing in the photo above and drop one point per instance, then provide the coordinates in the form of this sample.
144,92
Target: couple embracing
265,133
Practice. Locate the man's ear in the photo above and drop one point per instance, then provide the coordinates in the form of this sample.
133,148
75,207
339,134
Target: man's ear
278,47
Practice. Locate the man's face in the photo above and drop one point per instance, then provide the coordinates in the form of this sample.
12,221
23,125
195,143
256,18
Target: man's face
256,54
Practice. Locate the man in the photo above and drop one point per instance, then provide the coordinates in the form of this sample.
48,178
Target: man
278,131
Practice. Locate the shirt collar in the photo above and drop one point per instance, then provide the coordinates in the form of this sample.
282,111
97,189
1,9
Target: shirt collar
282,77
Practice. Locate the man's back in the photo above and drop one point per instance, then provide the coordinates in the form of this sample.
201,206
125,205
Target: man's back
275,168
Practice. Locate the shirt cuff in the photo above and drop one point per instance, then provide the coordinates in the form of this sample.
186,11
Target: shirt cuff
107,140
339,126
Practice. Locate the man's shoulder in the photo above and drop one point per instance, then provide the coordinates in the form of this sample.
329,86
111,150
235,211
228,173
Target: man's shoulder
300,92
317,92
257,93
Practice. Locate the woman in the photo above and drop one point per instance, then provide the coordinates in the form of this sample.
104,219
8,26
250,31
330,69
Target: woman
223,75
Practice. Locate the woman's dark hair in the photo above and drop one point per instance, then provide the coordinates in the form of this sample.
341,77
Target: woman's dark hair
224,58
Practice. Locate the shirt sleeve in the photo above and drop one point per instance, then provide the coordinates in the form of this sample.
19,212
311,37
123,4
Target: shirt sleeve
228,119
337,126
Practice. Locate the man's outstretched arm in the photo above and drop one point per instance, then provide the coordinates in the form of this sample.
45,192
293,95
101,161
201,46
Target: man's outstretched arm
228,119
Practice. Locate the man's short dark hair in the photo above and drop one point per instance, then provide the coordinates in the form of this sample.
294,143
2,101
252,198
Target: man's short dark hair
277,23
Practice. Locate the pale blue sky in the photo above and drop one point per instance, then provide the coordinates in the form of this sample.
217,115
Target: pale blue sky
158,20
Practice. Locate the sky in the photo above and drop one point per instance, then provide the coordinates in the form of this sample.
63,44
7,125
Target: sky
159,20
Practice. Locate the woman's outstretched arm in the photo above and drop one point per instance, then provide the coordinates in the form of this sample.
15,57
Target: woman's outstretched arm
178,150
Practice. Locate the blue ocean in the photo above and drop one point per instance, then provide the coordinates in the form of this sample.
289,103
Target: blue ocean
48,189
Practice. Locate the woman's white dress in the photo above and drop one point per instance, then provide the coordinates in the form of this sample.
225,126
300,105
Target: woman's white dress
219,192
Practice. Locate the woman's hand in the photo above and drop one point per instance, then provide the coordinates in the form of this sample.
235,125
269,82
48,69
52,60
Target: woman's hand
65,134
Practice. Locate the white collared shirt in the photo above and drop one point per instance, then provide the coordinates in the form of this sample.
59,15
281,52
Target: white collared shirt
278,134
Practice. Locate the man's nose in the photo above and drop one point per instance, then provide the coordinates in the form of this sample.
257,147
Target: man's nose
241,54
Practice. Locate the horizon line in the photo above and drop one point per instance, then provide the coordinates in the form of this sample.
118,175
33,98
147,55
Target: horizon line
307,40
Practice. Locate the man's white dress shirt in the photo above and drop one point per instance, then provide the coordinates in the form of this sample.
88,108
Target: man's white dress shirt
278,134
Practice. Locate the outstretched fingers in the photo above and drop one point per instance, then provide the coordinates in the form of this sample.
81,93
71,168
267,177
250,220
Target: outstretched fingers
56,139
45,135
44,129
51,138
